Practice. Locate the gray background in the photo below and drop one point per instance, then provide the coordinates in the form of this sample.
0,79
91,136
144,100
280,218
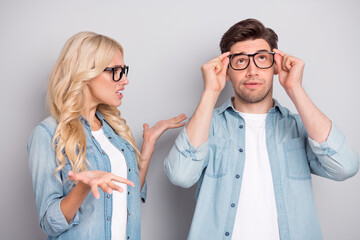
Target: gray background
165,45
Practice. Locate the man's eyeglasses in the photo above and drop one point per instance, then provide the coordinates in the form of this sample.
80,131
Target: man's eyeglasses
118,72
262,60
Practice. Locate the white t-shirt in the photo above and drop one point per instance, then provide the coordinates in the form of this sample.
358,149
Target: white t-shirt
256,216
119,168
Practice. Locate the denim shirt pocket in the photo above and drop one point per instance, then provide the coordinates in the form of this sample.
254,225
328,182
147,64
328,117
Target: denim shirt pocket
296,160
91,165
92,162
218,157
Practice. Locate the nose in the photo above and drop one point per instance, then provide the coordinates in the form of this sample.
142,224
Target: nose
252,69
124,80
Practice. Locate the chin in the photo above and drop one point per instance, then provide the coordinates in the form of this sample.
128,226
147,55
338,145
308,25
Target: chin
113,104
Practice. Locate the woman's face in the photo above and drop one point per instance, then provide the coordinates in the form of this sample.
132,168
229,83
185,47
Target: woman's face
103,89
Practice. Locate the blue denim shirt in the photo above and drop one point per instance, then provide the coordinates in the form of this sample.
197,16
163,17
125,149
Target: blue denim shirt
93,219
217,166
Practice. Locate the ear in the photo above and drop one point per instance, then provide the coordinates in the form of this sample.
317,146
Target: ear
276,72
227,75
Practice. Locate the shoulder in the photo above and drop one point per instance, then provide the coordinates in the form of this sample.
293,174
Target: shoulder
43,133
45,127
284,112
289,118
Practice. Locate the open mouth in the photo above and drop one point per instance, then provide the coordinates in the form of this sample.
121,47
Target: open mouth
119,93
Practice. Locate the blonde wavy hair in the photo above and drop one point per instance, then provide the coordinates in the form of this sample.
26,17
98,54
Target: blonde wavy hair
84,56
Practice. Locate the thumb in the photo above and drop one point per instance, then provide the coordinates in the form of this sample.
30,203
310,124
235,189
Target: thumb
145,126
225,64
73,176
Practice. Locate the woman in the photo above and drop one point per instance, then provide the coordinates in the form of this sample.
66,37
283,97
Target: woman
86,145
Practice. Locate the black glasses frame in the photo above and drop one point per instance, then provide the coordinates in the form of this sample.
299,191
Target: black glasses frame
124,70
253,56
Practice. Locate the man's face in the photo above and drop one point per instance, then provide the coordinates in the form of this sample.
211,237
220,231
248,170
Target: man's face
251,85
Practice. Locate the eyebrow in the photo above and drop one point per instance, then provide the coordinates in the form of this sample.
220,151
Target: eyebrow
258,51
117,66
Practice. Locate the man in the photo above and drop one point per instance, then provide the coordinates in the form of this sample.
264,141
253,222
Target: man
252,158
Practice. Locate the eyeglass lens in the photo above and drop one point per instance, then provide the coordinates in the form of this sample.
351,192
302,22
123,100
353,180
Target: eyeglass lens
262,60
118,72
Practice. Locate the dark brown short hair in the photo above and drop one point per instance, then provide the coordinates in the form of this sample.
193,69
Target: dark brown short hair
248,29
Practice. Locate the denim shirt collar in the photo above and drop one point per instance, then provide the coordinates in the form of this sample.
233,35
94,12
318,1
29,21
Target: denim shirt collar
85,122
276,108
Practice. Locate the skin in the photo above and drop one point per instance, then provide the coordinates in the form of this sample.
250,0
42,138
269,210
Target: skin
253,87
103,90
255,99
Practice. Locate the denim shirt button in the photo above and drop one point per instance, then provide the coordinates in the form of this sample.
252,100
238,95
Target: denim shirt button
109,137
108,196
227,234
128,193
122,149
108,218
233,205
103,152
241,150
129,169
237,176
241,126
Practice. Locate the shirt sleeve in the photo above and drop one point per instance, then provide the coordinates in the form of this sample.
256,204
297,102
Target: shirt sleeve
48,189
185,162
334,158
143,192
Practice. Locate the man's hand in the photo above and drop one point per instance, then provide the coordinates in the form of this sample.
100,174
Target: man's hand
214,73
290,70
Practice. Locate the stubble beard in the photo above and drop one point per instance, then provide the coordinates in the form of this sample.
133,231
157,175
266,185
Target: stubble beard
253,96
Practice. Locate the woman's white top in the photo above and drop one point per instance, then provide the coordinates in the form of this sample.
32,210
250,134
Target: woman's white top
119,168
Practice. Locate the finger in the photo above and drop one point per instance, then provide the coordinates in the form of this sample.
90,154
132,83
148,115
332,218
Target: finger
225,63
179,118
285,63
217,65
73,176
223,56
176,125
220,63
145,126
104,186
95,191
115,187
289,62
283,60
281,53
122,180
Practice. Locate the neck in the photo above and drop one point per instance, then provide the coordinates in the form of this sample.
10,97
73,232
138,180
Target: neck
89,114
89,111
256,108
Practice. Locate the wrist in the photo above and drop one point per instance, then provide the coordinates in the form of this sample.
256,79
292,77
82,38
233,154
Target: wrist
210,96
83,187
294,91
